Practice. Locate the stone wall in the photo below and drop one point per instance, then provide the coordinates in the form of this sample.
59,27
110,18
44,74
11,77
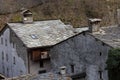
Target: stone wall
20,48
11,63
35,66
85,53
118,16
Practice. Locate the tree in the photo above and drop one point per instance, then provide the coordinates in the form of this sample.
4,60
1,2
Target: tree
113,63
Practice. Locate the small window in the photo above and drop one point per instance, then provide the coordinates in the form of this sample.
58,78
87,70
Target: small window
14,62
21,72
100,54
41,64
103,43
7,57
84,33
72,68
1,40
2,55
7,72
100,73
13,45
5,42
44,55
3,68
96,39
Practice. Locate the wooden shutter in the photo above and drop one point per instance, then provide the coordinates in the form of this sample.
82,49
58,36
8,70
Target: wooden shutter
35,55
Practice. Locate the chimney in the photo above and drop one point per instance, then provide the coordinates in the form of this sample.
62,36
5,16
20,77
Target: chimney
118,17
27,16
63,70
94,25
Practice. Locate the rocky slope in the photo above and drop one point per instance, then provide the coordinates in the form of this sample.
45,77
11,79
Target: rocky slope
75,12
7,6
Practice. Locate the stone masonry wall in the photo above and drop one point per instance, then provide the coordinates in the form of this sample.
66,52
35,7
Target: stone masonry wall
85,53
11,63
20,49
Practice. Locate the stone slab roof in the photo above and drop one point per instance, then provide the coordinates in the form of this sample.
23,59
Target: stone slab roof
42,33
79,30
44,76
2,77
95,20
109,35
51,76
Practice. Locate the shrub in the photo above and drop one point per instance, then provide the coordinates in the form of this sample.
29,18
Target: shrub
113,63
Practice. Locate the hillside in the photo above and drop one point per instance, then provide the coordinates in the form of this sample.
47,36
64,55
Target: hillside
75,12
7,6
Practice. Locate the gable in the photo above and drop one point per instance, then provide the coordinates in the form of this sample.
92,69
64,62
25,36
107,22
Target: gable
3,29
84,33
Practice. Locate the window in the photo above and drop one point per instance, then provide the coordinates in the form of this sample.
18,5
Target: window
7,72
100,73
72,68
3,68
21,72
84,33
2,55
103,43
38,55
5,42
14,62
1,40
96,39
41,64
7,57
44,55
13,45
100,54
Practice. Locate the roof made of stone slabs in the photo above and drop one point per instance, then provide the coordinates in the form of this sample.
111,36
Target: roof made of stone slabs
43,76
51,76
41,33
110,35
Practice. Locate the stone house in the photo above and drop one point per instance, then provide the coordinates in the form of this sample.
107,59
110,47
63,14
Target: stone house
43,46
86,53
25,46
82,54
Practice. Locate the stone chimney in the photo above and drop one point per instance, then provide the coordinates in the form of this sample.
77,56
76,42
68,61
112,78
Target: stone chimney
94,25
63,70
118,17
27,16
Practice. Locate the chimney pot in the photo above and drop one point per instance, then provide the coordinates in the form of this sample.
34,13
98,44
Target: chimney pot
63,70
